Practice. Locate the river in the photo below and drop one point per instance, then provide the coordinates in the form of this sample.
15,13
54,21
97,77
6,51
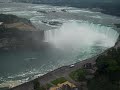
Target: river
75,34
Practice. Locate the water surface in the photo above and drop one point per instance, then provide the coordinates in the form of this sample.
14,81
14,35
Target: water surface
79,34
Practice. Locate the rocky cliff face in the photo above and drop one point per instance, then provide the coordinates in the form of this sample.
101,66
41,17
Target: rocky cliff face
17,33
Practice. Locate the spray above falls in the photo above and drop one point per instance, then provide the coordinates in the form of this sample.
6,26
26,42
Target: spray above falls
75,34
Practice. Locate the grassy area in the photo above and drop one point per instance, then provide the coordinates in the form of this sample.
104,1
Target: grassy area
59,81
78,75
48,86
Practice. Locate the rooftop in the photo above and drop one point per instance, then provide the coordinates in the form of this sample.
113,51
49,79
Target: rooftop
62,84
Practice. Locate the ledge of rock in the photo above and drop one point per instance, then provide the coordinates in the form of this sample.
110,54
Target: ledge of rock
18,33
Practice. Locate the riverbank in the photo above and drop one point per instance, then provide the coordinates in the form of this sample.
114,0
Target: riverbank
61,72
57,73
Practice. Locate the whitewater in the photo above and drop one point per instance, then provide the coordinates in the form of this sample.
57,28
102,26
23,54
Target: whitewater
73,34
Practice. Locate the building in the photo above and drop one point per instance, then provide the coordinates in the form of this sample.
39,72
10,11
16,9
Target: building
64,86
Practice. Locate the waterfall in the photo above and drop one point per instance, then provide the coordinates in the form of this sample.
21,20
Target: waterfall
75,34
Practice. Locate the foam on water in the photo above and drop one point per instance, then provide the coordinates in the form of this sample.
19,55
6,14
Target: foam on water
80,34
96,16
23,13
17,79
78,11
82,39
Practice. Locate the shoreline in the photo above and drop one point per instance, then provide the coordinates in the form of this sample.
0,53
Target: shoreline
59,72
62,71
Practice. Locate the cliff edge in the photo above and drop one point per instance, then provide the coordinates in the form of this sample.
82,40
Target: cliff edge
17,33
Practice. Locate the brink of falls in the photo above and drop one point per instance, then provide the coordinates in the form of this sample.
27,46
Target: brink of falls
75,35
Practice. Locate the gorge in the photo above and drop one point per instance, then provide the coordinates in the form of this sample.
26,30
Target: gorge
80,34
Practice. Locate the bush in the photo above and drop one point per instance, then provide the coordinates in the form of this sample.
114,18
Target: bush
108,65
37,86
48,86
78,75
59,81
107,76
102,83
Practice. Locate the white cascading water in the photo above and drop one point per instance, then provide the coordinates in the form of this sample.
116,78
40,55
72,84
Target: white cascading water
78,34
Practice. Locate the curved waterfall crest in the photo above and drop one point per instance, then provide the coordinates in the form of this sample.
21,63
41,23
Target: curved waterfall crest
78,34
